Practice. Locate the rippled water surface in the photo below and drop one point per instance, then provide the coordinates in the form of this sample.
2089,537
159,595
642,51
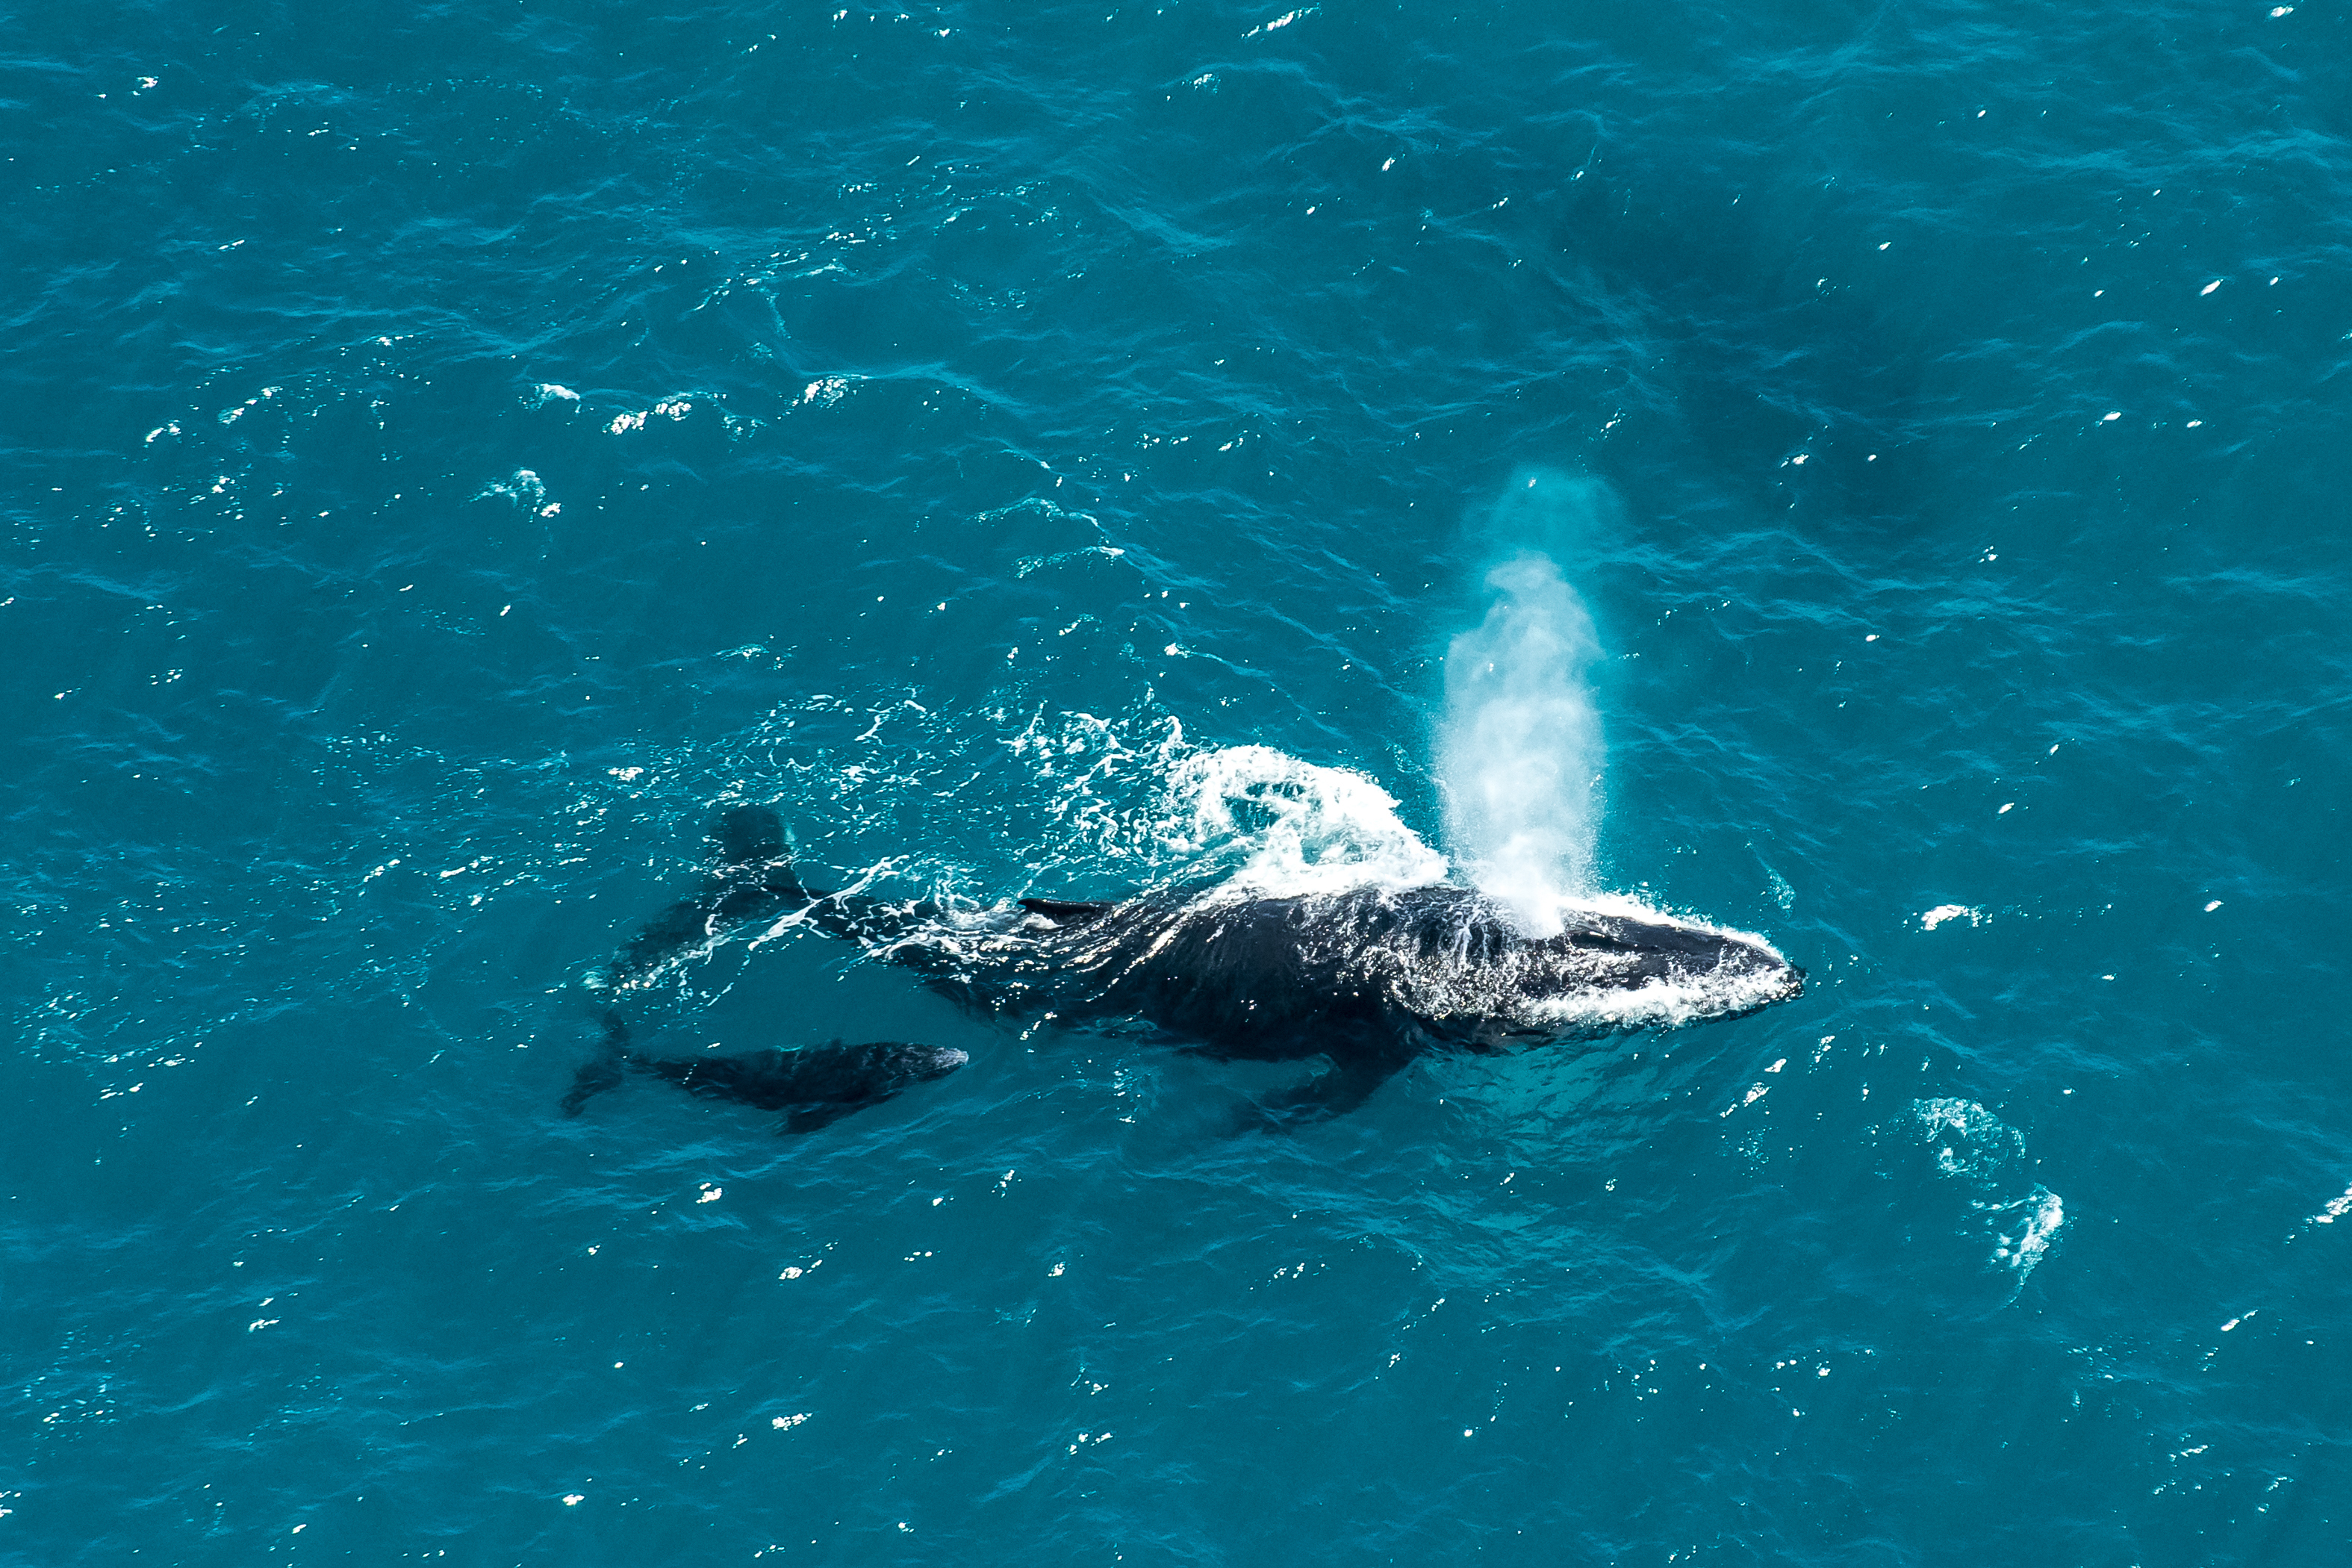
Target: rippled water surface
456,449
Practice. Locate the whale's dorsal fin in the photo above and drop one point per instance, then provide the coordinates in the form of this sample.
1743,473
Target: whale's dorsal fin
1065,912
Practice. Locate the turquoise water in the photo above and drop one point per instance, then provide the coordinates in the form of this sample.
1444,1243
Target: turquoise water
457,448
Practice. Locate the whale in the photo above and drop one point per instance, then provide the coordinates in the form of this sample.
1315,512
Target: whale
813,1086
1366,979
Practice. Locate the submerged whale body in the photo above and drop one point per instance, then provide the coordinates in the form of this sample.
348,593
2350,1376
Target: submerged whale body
1368,978
816,1086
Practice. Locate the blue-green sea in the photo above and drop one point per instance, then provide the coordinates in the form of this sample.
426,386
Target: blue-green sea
456,449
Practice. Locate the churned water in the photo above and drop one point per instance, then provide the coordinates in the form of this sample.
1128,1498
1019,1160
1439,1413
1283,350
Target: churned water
1868,476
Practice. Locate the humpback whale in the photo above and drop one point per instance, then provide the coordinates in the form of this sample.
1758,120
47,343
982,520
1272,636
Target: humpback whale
1367,978
815,1086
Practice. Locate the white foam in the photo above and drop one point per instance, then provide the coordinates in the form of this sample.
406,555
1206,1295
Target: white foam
1970,1140
524,488
1976,1146
668,408
1943,912
825,391
1285,20
2041,1214
1290,827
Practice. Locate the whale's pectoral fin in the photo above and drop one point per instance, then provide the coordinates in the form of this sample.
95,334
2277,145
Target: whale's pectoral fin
1350,1082
808,1118
603,1070
672,930
1065,912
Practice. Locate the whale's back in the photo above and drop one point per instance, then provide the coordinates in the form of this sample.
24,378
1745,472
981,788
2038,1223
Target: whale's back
1438,959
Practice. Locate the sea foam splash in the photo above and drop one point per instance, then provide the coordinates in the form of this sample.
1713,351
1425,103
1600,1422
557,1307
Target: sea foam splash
1286,827
1521,751
1976,1146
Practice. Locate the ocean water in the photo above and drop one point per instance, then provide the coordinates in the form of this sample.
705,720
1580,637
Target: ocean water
1891,458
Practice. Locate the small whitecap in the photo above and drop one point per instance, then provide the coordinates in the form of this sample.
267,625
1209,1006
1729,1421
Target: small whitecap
1285,20
523,488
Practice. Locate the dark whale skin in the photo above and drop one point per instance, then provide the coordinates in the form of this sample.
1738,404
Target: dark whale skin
816,1085
1249,976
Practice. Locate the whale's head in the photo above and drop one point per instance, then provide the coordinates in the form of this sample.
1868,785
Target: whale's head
937,1061
904,1064
1663,970
1470,970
